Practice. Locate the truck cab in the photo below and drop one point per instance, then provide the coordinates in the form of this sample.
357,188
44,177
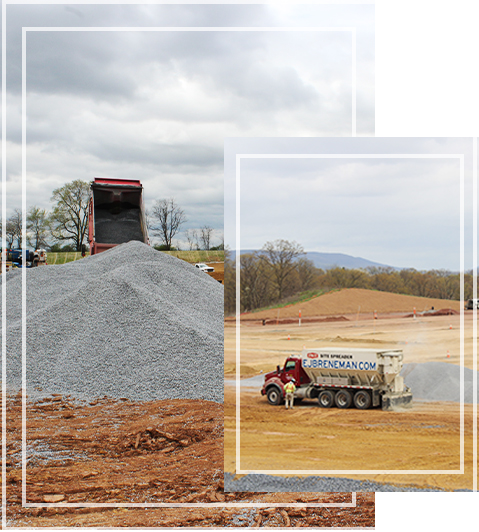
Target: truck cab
274,381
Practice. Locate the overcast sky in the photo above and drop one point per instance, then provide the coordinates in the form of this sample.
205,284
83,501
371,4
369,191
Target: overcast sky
399,212
158,105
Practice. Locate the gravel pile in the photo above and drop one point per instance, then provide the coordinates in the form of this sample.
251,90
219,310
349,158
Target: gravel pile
129,322
438,381
268,483
118,227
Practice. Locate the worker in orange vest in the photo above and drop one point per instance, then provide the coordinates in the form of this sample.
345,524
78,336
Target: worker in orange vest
289,389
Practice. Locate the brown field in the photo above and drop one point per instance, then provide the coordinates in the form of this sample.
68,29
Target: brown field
425,437
219,273
353,301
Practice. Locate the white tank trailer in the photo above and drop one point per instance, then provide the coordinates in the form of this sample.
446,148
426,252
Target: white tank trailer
343,377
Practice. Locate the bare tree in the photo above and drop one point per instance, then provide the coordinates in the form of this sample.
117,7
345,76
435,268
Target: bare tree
69,218
37,227
192,238
230,283
306,273
281,256
222,241
205,235
170,218
148,221
255,285
13,229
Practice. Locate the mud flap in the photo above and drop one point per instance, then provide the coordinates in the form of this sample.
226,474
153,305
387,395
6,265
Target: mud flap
393,401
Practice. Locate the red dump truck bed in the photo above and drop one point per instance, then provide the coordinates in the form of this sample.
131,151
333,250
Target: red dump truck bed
116,213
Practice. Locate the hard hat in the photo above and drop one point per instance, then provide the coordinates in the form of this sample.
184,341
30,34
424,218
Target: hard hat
293,380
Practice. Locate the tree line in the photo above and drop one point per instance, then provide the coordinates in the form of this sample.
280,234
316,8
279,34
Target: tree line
279,272
65,228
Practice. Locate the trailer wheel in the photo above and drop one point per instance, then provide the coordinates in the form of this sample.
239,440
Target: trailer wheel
326,399
362,400
274,396
343,399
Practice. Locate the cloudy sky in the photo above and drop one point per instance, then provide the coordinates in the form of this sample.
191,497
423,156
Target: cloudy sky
404,212
158,105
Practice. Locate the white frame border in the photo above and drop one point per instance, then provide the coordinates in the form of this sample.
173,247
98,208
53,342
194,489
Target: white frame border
239,157
4,396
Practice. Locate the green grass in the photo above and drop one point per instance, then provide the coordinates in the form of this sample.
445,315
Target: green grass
198,256
63,257
297,298
188,256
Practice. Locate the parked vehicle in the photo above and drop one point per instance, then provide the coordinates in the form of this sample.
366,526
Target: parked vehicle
32,258
471,304
204,267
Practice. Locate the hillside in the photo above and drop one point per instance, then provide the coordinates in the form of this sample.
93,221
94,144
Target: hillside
352,300
327,261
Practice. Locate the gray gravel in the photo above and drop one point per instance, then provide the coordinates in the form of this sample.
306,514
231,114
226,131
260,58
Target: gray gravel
438,381
269,483
129,322
118,227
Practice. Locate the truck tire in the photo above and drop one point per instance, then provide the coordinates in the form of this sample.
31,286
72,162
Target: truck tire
362,400
326,399
274,396
343,399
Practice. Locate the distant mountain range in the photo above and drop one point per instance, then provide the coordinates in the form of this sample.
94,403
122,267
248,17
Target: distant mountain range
330,260
326,261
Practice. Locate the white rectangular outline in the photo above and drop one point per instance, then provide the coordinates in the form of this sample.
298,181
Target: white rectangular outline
474,312
24,30
239,157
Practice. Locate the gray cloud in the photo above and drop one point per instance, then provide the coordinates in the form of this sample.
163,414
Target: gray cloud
158,105
402,212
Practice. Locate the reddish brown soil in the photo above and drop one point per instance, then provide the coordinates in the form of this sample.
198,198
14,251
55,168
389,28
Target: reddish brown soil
285,321
219,273
352,301
442,312
114,451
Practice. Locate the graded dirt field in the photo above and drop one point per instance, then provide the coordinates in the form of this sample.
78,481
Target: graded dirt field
425,437
219,273
354,301
122,452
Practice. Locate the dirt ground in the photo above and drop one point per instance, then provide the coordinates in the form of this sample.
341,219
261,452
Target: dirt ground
354,301
219,273
425,437
117,451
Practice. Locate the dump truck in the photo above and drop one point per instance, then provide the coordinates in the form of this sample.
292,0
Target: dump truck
116,213
342,377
